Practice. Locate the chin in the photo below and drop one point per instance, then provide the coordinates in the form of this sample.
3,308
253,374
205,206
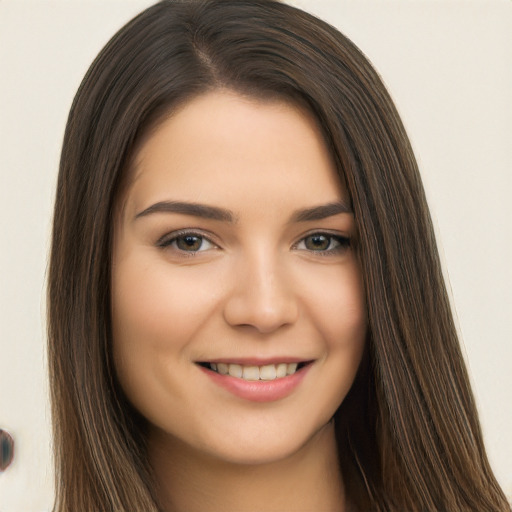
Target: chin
269,447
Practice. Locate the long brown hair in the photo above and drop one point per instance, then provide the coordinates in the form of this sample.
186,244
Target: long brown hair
408,433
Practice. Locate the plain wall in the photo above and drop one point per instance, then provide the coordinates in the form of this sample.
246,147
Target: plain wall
448,67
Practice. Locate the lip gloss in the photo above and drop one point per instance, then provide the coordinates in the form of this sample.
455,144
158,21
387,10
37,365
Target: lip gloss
258,390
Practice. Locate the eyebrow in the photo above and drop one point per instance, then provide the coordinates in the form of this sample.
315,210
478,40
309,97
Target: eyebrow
186,208
321,212
215,213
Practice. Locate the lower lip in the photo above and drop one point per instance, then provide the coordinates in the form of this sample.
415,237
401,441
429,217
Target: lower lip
259,390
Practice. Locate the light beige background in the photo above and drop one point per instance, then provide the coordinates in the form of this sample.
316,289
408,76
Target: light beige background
448,66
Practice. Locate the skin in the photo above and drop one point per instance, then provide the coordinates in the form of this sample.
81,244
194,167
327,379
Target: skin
254,286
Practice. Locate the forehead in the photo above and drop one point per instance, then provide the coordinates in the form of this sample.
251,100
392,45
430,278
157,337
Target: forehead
222,146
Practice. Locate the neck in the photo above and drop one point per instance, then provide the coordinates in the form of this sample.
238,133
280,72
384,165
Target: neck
188,481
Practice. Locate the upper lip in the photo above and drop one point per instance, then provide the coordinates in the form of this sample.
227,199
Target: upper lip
256,361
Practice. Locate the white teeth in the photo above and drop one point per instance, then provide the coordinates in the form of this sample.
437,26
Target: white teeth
251,373
266,372
281,370
291,368
235,370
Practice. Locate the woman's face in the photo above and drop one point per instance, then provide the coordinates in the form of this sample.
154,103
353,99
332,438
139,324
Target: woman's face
232,254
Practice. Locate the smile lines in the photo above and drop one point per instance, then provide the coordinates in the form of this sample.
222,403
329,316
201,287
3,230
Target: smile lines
251,372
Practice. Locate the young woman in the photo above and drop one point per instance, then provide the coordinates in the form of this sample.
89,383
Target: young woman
238,315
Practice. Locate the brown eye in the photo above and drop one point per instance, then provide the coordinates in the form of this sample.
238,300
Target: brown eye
189,242
324,243
317,242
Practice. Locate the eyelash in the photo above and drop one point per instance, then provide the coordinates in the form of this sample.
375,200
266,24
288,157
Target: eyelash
342,241
171,239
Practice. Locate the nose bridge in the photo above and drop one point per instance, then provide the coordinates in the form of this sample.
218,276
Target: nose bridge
262,296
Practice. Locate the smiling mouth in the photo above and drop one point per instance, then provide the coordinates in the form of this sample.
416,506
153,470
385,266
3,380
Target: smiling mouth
266,372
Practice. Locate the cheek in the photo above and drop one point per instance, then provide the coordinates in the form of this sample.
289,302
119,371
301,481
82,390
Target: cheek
339,313
157,311
338,307
156,306
156,314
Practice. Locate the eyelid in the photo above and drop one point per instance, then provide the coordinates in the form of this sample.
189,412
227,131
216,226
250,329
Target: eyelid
166,240
343,239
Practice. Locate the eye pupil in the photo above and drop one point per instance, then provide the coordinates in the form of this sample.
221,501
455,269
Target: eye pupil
317,242
189,242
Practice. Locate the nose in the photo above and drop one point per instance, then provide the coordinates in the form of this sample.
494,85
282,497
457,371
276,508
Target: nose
262,297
